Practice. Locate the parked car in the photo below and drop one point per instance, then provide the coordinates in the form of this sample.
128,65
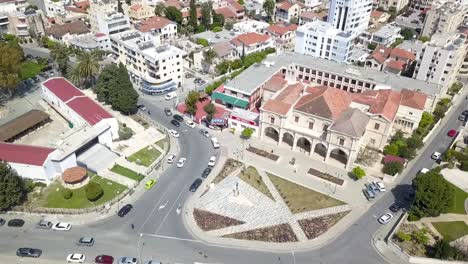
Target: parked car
85,241
465,113
461,117
167,111
170,158
380,186
62,226
452,133
424,170
181,162
76,258
104,259
205,133
212,161
369,194
44,224
141,107
190,123
2,221
178,118
372,187
125,210
128,260
436,155
385,218
149,184
170,95
153,262
195,185
29,252
206,172
395,208
215,142
197,80
175,123
174,133
16,222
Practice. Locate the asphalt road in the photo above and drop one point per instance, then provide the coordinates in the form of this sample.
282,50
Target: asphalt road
165,237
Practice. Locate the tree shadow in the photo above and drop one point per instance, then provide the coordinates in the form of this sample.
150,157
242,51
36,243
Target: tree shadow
404,195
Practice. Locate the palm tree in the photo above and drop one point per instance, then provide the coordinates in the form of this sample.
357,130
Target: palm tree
60,53
87,68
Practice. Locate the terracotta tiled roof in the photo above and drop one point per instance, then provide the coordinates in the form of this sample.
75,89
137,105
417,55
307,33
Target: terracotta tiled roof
283,102
281,28
380,102
135,7
76,9
226,12
59,31
187,13
324,102
397,65
174,3
275,83
152,23
235,5
250,39
413,99
24,154
376,14
285,5
312,15
74,174
378,57
401,53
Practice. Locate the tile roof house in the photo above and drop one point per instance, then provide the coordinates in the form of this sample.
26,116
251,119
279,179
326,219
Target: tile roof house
251,42
310,16
230,9
58,31
284,34
165,27
286,10
393,60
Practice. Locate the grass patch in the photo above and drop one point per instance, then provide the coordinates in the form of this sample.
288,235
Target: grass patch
250,176
301,199
229,167
163,142
451,230
30,69
145,156
127,172
53,195
458,206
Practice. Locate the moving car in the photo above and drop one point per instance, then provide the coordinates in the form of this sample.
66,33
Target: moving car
461,117
215,142
153,262
205,133
181,162
128,260
424,170
171,158
212,161
380,186
16,222
206,172
76,258
178,118
29,252
436,155
170,96
174,133
190,123
44,224
125,210
395,207
452,133
149,184
167,111
385,218
85,241
104,259
175,123
62,226
2,221
195,185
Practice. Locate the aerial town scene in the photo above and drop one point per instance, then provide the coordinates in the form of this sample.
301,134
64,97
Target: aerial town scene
233,131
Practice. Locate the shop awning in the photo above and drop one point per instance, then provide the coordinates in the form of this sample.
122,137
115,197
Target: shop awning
227,99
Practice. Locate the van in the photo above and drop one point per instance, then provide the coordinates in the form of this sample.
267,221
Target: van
170,95
369,194
215,142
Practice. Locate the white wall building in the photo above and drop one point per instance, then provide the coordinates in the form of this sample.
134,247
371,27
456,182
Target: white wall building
159,67
88,42
104,18
321,39
250,26
385,35
443,18
350,16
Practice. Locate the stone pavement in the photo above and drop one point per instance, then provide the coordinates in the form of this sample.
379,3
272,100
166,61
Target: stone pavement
457,177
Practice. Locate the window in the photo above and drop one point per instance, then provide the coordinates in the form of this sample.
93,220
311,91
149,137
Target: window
272,120
372,141
296,119
376,126
311,125
325,127
341,141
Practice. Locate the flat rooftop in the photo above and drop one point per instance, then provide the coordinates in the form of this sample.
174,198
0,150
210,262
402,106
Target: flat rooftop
216,37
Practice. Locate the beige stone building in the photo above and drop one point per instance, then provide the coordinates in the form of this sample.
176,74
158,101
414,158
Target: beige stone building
139,11
443,18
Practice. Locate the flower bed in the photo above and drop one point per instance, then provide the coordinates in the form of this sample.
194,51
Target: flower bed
277,234
314,227
229,167
326,176
210,221
263,153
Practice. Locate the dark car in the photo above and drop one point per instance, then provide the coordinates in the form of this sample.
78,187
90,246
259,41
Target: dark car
141,107
465,112
175,123
104,259
206,172
167,111
2,221
195,185
125,210
85,241
395,207
16,222
28,252
178,118
43,224
461,117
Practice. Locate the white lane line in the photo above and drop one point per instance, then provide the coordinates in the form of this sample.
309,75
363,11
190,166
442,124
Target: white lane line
152,211
172,207
162,206
169,237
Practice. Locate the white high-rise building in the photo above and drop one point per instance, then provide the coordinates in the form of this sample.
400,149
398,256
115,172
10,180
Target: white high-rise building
104,18
321,39
350,15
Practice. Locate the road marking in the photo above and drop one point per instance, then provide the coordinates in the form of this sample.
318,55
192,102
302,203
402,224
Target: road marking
165,217
152,211
173,238
162,206
178,209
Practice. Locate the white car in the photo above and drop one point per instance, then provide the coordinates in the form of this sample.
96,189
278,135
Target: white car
174,133
62,226
436,155
76,258
171,158
424,170
128,260
380,186
190,123
212,161
385,218
181,162
170,96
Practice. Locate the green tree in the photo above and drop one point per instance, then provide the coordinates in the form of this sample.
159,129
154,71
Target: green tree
209,56
391,149
218,20
420,236
159,9
87,68
358,172
294,20
60,54
398,136
128,2
173,14
203,42
10,66
269,7
392,168
67,193
191,102
12,189
397,42
193,20
371,46
433,195
210,110
407,33
93,191
241,2
424,39
427,119
402,236
247,133
443,250
229,24
206,14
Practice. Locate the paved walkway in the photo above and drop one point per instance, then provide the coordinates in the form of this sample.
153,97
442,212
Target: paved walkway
457,177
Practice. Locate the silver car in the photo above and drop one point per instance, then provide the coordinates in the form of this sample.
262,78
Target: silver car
128,260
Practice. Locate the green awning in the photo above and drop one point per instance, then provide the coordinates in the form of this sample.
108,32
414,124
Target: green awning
227,99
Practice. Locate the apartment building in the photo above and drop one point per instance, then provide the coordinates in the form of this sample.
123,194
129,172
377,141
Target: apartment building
286,10
320,39
350,16
395,4
283,34
384,35
444,18
441,58
158,67
104,18
139,11
421,4
161,25
248,43
29,23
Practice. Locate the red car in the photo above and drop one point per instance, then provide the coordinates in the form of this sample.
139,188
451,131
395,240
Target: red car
452,133
104,259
